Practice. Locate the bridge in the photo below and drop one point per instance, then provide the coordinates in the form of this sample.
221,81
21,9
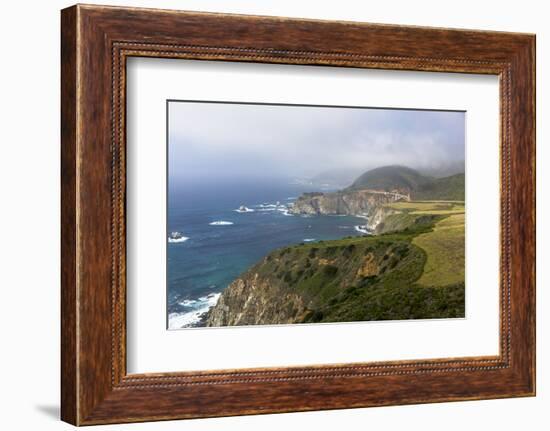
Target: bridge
394,195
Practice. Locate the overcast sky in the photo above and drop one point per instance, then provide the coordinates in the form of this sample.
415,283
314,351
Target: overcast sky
217,140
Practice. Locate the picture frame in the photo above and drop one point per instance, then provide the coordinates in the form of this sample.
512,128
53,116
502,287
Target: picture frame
96,42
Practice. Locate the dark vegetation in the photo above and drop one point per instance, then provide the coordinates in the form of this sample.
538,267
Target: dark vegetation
405,179
390,177
364,278
447,188
411,268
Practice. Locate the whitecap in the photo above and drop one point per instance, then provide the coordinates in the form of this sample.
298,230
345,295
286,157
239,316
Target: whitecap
362,229
191,318
176,240
187,302
244,209
309,239
285,211
221,223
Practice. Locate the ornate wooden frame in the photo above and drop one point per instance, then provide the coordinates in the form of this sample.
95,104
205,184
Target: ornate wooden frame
96,41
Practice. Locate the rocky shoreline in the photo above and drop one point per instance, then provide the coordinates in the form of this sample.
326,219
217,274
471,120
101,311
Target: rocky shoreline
368,204
371,277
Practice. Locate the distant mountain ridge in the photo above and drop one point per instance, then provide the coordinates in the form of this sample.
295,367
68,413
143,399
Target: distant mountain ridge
408,180
388,178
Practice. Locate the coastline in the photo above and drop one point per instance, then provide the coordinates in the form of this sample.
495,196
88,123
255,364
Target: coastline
400,272
236,238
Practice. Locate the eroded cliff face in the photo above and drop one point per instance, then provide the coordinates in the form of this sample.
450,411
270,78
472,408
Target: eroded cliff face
363,203
303,283
357,202
376,218
373,277
253,299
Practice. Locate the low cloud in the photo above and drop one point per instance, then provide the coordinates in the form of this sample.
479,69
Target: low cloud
217,140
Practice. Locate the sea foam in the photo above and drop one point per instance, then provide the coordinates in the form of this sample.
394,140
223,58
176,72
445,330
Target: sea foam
221,223
362,229
284,210
175,240
244,210
191,318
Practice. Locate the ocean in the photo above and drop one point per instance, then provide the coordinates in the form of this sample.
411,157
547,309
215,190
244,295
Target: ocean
226,227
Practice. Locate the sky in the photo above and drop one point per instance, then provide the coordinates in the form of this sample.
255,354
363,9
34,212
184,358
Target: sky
222,141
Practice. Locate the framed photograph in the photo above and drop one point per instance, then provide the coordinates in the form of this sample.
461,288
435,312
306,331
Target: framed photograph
265,215
313,214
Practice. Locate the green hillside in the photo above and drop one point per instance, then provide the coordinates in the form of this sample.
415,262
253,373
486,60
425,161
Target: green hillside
413,269
447,188
380,277
390,177
421,187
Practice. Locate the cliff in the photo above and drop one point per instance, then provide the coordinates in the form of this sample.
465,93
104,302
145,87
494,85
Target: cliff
412,268
256,298
365,203
353,279
378,187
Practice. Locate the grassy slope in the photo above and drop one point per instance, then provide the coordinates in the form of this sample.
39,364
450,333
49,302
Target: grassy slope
442,188
444,247
444,244
406,273
429,207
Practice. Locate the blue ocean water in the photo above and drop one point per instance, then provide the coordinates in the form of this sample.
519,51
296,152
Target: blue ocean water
221,242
